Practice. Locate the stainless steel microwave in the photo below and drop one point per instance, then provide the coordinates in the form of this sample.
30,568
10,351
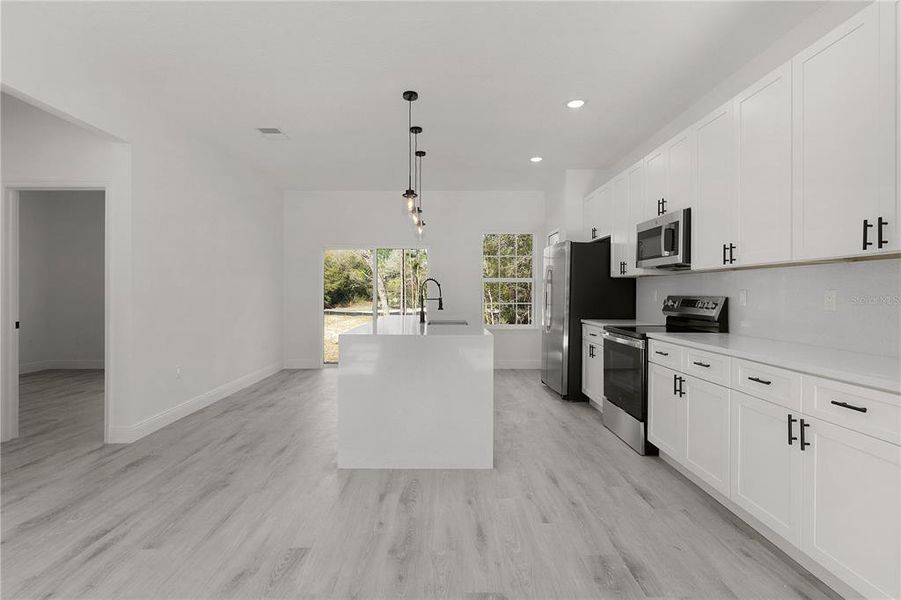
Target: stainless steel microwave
665,242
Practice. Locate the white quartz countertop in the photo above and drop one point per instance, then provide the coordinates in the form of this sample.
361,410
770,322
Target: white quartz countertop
410,325
617,322
870,370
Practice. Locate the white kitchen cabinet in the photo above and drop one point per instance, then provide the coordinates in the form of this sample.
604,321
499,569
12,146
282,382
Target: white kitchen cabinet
713,216
669,177
680,172
765,469
619,201
666,412
852,507
762,226
654,185
707,414
844,200
593,370
597,213
627,196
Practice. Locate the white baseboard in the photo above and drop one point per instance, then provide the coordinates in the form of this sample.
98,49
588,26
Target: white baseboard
517,364
130,433
302,363
43,365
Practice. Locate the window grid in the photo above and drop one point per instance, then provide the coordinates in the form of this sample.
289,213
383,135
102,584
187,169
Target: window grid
507,279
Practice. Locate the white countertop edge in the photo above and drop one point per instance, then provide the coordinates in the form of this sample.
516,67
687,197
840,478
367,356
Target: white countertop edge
785,356
620,322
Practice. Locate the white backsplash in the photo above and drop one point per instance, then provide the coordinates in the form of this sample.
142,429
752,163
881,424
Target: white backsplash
787,303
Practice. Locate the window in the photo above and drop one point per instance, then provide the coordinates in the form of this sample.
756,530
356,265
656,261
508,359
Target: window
362,284
507,278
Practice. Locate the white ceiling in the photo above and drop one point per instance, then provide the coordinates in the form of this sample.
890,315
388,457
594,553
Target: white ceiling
493,78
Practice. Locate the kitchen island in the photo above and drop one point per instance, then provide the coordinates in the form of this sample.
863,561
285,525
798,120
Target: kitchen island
416,396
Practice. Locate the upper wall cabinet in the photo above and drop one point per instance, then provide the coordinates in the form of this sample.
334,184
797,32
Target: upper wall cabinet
597,213
619,195
669,177
844,88
713,216
763,178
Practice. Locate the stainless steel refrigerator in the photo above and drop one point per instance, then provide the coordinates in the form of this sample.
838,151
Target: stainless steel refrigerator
577,285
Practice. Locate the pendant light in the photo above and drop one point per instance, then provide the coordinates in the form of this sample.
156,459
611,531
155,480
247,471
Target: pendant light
420,225
413,194
410,96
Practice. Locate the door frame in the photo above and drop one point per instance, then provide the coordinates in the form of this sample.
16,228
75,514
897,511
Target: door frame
9,298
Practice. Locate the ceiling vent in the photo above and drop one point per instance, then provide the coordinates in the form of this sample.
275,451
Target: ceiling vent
272,133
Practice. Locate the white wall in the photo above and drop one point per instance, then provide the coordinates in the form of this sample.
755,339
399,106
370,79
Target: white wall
61,272
315,221
786,303
196,246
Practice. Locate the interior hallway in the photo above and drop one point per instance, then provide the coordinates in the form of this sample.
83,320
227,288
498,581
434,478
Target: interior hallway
243,500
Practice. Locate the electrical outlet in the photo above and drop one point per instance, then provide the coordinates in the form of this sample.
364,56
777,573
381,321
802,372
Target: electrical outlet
178,372
743,297
830,298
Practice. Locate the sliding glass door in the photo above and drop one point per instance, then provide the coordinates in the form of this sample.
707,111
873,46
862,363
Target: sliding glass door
360,284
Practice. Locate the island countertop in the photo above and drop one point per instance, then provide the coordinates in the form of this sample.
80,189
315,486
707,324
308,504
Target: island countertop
410,325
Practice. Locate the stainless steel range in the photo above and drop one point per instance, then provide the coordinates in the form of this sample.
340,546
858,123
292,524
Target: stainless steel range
626,363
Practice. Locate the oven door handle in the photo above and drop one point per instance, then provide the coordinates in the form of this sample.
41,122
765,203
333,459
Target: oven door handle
610,337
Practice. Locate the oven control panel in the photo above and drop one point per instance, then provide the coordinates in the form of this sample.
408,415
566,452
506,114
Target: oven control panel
693,305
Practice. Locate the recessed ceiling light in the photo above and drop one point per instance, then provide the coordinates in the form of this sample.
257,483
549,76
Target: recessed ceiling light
575,103
536,159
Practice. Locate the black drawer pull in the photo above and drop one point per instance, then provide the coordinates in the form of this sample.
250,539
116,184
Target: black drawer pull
759,380
593,334
849,406
661,353
881,241
701,364
791,438
866,226
804,426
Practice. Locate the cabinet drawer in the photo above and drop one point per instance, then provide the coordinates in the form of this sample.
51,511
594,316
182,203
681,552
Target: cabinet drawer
592,333
707,366
868,411
668,355
766,382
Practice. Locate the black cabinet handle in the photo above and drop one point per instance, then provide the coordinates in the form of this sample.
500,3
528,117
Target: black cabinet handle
701,364
731,255
791,438
594,232
590,351
804,426
866,225
681,381
880,241
661,353
675,384
759,380
724,253
663,206
862,409
593,334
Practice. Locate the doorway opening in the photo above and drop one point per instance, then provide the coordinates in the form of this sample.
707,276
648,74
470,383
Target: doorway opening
361,284
57,286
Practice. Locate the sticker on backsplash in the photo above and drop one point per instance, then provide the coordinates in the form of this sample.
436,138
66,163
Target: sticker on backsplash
877,300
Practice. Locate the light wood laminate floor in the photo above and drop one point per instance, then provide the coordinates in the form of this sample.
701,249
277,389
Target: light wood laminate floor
243,500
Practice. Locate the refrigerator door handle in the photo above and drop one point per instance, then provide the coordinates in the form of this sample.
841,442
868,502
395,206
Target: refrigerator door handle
546,317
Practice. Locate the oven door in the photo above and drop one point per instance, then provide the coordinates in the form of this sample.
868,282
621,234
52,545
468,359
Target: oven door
625,374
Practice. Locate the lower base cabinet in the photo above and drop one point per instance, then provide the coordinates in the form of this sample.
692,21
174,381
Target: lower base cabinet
666,414
707,415
851,509
593,370
766,464
834,492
